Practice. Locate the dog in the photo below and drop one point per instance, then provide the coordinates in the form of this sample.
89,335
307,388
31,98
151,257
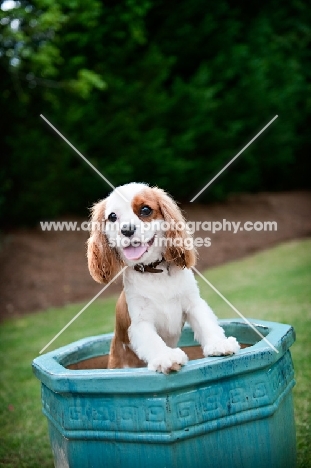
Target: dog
142,228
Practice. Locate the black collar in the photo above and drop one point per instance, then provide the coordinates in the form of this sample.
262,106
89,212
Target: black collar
151,268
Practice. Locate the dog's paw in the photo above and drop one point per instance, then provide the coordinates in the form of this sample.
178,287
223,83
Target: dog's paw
222,347
172,360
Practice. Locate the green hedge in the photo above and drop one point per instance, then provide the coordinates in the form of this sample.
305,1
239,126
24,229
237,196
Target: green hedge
155,91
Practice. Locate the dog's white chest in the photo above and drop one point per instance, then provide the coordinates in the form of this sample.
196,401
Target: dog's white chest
168,317
157,300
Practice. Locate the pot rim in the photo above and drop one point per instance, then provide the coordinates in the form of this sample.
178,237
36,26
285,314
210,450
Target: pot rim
51,371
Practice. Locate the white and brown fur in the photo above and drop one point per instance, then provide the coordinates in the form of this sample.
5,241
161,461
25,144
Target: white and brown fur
152,307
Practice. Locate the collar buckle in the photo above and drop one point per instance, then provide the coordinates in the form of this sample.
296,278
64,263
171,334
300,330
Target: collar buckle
140,267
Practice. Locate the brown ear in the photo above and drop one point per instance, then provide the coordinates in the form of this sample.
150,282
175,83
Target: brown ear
178,249
103,261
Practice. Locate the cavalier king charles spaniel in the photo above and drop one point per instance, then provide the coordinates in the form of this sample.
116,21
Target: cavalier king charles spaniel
142,228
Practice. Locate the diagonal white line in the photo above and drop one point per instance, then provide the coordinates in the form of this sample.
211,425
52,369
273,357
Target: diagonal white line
233,159
82,310
83,157
235,310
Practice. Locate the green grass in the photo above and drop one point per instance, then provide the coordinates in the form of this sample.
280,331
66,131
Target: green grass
272,285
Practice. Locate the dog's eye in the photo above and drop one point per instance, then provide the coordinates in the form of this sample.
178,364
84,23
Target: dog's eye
145,211
112,217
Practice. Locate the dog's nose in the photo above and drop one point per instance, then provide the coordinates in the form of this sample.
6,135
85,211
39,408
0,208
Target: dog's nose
128,230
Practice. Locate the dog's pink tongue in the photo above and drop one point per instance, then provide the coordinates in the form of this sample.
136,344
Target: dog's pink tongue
134,253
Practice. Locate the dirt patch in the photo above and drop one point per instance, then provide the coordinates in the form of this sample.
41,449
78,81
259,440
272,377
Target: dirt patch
45,269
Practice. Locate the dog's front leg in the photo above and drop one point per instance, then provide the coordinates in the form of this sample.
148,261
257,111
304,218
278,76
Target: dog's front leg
207,330
150,347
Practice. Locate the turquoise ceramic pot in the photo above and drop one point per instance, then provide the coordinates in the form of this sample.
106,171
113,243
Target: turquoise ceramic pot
219,412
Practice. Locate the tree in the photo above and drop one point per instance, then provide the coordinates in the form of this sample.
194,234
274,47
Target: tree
154,91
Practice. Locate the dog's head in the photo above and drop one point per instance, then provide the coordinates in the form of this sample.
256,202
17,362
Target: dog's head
137,224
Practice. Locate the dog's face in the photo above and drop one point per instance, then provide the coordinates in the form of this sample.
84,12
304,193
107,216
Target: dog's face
138,224
134,224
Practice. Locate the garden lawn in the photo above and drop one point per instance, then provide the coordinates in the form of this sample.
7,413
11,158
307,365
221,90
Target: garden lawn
273,285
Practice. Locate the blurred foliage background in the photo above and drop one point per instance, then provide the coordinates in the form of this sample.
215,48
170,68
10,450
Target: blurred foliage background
164,92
